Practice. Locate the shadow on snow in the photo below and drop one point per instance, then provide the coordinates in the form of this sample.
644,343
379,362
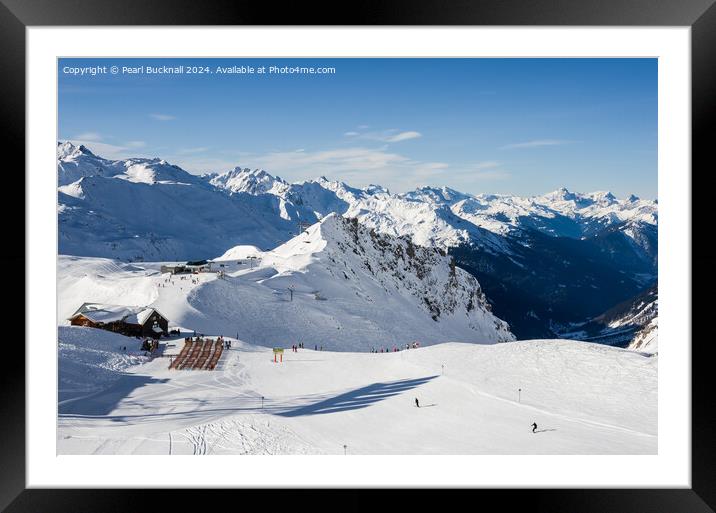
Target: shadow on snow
101,404
359,398
105,401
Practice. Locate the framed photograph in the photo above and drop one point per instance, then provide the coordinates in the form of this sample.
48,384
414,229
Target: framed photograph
422,248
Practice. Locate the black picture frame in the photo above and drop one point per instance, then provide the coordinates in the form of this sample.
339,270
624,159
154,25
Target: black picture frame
17,15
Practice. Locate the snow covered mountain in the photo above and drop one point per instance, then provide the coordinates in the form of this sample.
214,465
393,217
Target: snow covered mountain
165,220
646,339
148,209
545,261
338,285
431,216
445,217
340,258
559,213
76,162
632,324
250,181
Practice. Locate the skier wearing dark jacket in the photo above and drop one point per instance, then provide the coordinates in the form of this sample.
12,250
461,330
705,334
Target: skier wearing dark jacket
417,403
534,427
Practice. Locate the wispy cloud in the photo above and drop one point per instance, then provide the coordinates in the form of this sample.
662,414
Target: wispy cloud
113,151
188,151
89,136
386,136
334,161
535,144
464,176
108,151
487,164
162,117
360,166
483,174
403,136
200,163
95,140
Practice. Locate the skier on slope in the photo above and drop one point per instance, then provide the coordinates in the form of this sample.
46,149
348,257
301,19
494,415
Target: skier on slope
534,427
417,403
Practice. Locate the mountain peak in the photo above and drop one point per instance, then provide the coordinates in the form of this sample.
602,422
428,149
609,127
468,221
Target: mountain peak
562,194
252,181
435,194
376,189
368,264
603,196
67,149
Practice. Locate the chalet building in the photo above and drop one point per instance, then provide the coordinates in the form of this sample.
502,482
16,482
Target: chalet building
174,269
199,266
127,320
194,266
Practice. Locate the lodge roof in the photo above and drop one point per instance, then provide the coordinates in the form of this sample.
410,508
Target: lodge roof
101,313
197,262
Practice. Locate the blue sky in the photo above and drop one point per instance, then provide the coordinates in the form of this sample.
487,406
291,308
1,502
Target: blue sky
513,126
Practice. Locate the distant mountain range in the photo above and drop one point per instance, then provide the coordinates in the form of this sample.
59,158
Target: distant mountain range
546,263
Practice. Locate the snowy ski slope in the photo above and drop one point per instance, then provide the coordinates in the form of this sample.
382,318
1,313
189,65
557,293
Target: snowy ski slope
585,398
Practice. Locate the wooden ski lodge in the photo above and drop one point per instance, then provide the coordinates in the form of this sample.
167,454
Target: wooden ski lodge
127,320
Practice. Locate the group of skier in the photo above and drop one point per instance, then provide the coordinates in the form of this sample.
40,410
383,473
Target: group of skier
300,345
395,349
170,281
